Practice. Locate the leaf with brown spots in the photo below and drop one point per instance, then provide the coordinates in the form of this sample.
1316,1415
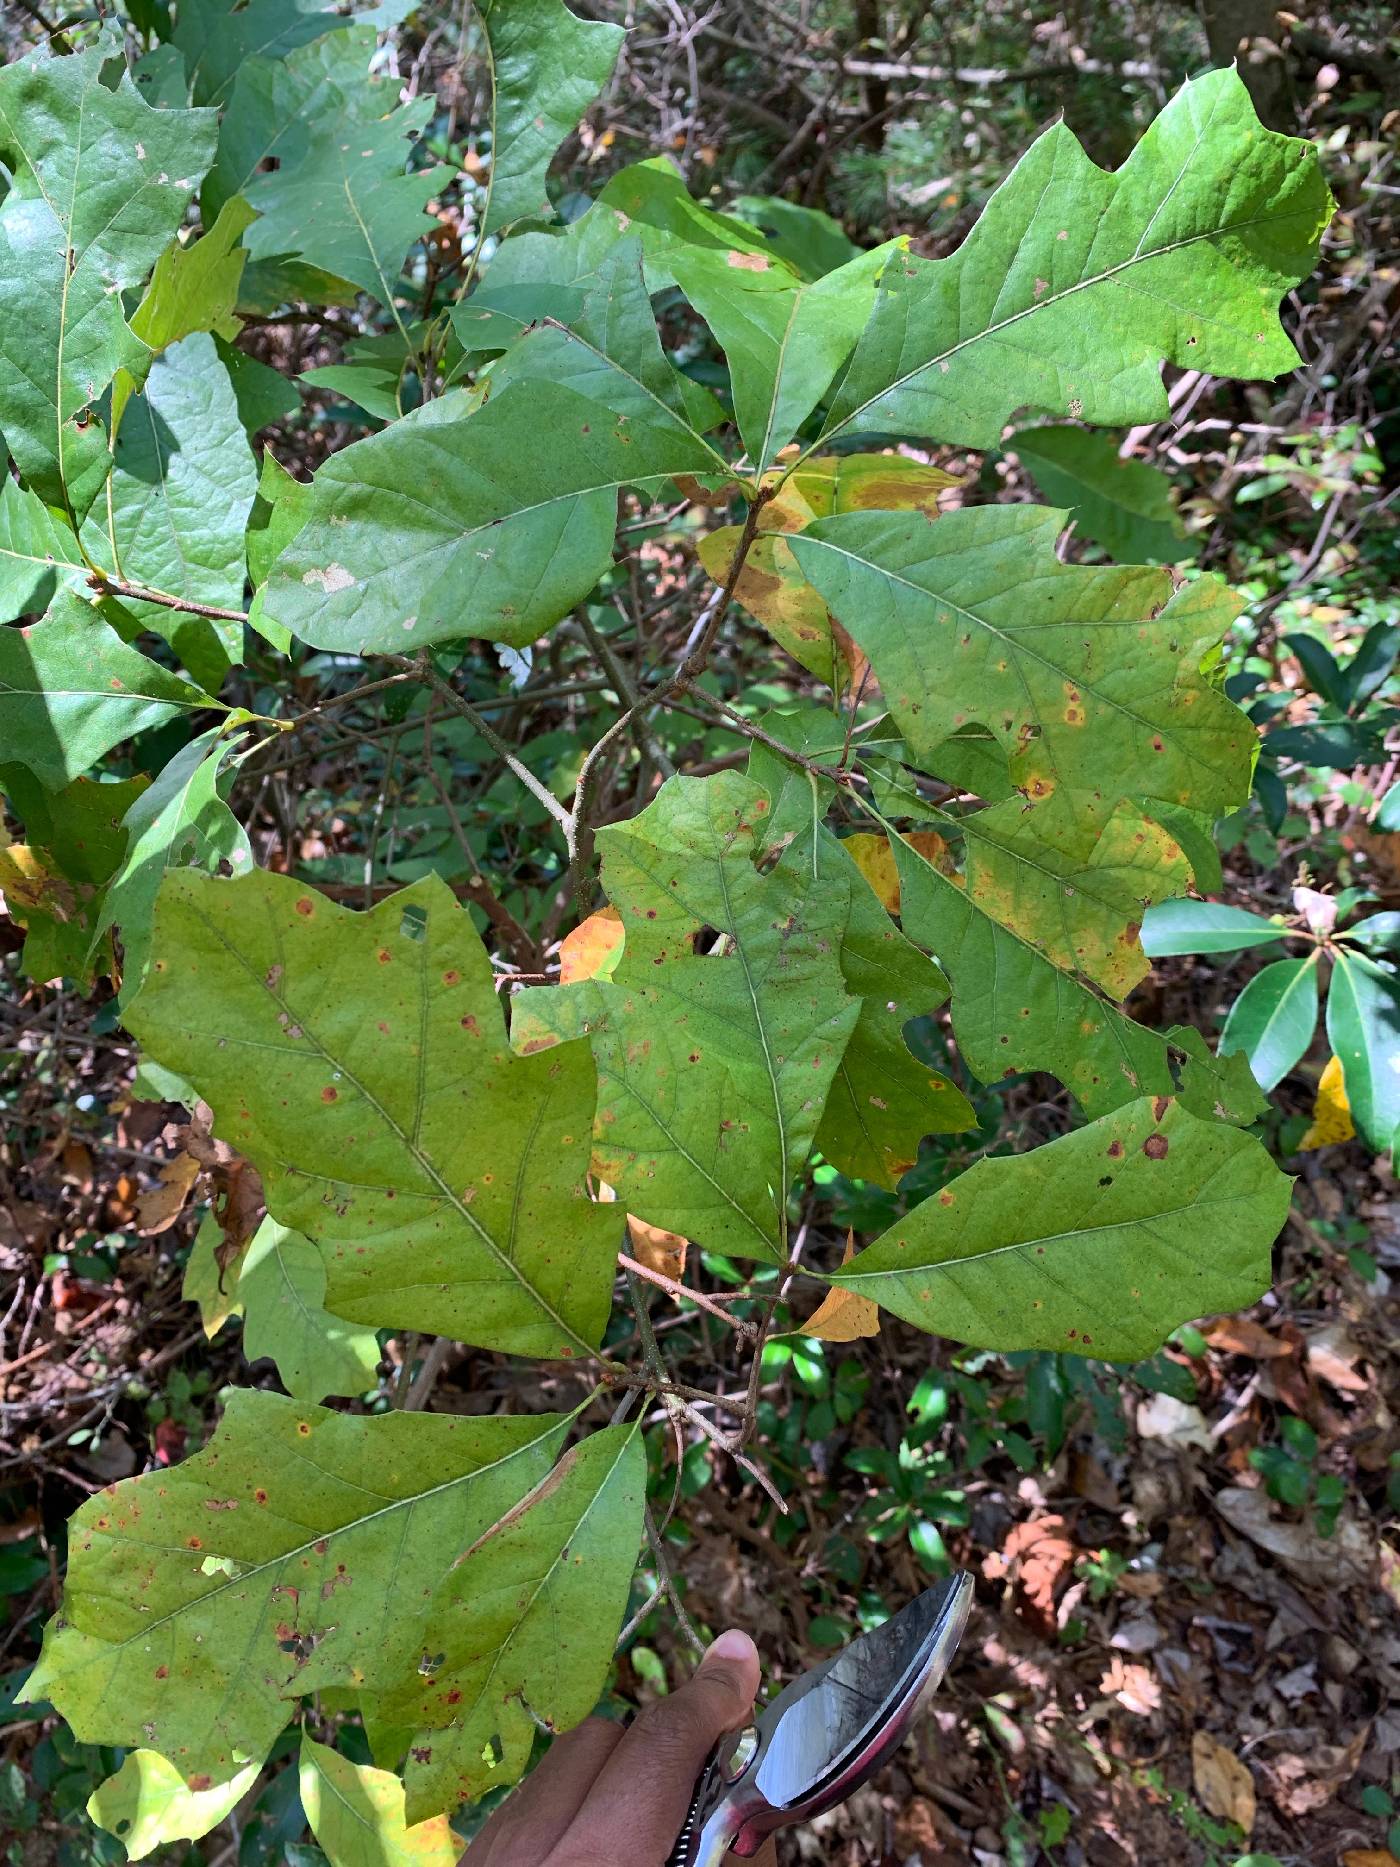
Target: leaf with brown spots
523,1625
299,1550
445,1182
1100,1243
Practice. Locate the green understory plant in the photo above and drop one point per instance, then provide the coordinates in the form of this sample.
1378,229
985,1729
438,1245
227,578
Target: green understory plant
759,946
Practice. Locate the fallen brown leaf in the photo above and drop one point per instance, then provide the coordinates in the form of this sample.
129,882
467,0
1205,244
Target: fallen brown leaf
1223,1784
158,1209
1302,1784
1346,1558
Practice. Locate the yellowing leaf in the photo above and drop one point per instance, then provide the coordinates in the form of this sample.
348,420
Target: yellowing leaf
1223,1784
1331,1122
593,949
148,1803
356,1813
874,858
843,1315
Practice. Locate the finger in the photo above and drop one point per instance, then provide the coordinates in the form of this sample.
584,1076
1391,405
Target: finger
534,1817
643,1791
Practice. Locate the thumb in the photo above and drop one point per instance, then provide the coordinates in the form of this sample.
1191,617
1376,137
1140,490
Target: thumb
644,1789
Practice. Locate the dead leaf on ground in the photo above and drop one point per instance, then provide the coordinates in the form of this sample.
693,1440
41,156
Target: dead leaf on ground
1347,1558
1302,1784
1333,1353
1223,1784
1369,1857
1035,1559
1237,1335
843,1315
1177,1422
1133,1686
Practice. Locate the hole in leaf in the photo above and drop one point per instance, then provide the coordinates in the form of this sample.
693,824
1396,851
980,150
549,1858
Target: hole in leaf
414,923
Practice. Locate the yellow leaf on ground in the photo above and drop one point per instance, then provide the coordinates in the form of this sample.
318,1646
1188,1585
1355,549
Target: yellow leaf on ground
1331,1120
658,1250
1369,1857
1224,1785
593,948
843,1315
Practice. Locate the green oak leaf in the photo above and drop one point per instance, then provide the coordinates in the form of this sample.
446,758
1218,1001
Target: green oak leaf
99,184
38,553
218,40
180,821
441,1175
1103,1241
77,836
343,201
71,689
1088,676
1075,284
811,242
1013,1009
274,101
1124,505
1273,1019
281,1291
195,287
148,1803
1363,1024
713,1069
547,66
524,1625
299,1550
605,346
426,532
183,483
784,339
357,1814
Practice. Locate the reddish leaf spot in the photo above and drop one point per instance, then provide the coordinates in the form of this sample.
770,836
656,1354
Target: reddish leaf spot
306,906
330,1093
1115,1150
1155,1147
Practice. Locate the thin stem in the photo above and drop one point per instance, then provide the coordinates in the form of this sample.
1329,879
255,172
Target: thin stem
679,1291
138,593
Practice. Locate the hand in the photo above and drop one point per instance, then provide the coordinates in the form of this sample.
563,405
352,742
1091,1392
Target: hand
604,1794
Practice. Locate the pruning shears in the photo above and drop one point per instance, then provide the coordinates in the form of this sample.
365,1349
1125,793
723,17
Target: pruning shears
824,1734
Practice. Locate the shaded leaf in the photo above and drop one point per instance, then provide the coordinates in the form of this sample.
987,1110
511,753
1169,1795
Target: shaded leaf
1124,505
1273,1018
423,533
38,553
441,1175
1075,284
547,66
525,1622
100,182
1103,1240
71,689
300,1549
1363,1025
281,1291
811,242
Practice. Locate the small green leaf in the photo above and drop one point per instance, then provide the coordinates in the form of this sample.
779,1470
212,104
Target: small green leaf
1100,1242
1363,1024
524,1624
547,66
1273,1019
1380,932
99,184
360,1062
281,1290
179,822
1187,926
71,689
300,1549
427,532
1124,505
357,1814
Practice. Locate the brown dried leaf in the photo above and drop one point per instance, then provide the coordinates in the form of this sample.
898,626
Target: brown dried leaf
660,1251
1303,1784
1036,1558
1346,1558
1132,1685
1333,1353
1224,1785
1237,1335
843,1315
158,1209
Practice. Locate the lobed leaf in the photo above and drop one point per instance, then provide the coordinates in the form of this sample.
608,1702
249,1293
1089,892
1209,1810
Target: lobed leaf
281,1289
1124,505
441,1175
1075,284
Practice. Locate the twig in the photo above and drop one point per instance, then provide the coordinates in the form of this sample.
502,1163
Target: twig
433,1363
138,593
678,1290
